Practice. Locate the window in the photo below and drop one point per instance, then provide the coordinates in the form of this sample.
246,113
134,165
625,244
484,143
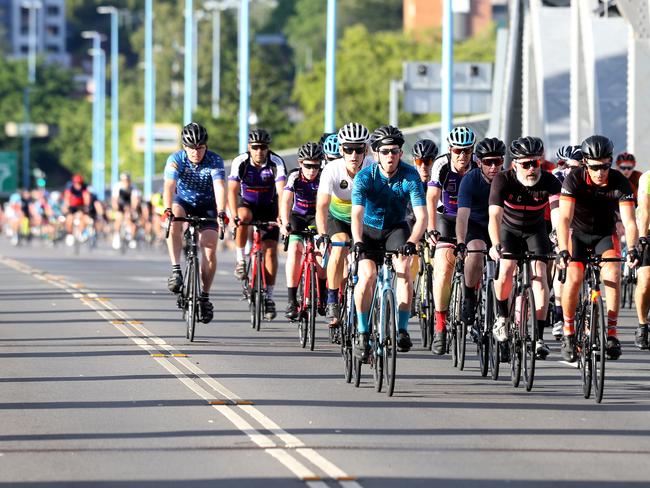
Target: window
53,10
53,30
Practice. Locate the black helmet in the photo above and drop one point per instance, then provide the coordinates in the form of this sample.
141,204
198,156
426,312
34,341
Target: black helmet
490,146
387,135
625,156
311,151
597,147
526,146
259,136
565,153
194,135
425,149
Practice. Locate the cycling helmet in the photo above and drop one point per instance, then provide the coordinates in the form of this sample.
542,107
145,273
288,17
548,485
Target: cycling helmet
425,149
490,146
353,133
597,147
565,153
387,135
526,146
625,156
331,145
78,179
194,135
461,137
259,136
311,151
124,174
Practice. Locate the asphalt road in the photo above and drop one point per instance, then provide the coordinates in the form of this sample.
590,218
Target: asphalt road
99,387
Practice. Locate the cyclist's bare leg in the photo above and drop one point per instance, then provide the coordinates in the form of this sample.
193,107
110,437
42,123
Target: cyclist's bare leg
208,244
363,290
336,263
175,240
570,291
540,288
270,261
474,263
503,285
241,235
444,265
611,278
403,284
642,294
293,263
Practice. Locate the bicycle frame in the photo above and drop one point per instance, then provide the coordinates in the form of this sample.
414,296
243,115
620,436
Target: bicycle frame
383,285
256,248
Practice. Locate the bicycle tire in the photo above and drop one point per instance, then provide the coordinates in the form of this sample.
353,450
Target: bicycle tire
376,348
515,361
312,308
452,319
528,320
346,339
493,344
461,327
356,371
258,291
192,300
431,316
302,319
482,344
598,355
418,293
390,341
583,341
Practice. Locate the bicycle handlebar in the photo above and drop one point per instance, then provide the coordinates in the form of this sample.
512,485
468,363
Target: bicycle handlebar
525,257
194,221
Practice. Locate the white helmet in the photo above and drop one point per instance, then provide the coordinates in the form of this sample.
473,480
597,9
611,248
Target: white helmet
353,133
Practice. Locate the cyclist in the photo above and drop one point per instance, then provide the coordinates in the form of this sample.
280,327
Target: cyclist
472,218
255,186
124,201
625,163
331,148
297,213
442,203
518,200
379,198
591,197
642,292
76,199
195,185
334,204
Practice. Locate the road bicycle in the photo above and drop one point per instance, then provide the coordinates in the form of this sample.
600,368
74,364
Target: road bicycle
423,293
348,321
487,347
628,283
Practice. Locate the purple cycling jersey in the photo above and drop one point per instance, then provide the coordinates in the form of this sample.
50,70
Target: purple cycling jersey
304,193
443,176
258,183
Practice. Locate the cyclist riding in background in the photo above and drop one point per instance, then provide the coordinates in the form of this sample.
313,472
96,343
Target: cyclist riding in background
518,200
331,148
255,185
195,186
76,201
591,198
125,200
379,198
642,292
625,163
423,154
334,204
472,218
442,203
297,213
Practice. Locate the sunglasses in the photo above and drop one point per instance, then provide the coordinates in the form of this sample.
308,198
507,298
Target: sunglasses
311,166
259,147
599,167
492,161
425,162
626,168
529,163
462,150
354,149
394,151
196,148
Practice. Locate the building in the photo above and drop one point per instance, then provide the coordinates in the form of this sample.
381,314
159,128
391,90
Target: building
470,16
50,29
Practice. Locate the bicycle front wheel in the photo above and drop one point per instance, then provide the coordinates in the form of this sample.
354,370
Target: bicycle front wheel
377,349
453,319
390,340
583,341
302,318
482,345
493,344
528,321
312,308
345,320
598,334
192,299
258,291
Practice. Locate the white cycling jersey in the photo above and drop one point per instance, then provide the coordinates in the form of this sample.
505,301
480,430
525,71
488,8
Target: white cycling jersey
336,182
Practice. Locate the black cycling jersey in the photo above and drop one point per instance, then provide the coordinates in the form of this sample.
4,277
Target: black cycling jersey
524,206
596,207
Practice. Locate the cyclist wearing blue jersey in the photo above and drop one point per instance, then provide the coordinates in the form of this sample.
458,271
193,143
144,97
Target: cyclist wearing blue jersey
195,185
380,195
472,218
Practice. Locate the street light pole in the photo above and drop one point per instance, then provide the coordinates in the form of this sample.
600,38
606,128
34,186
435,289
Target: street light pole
115,128
244,103
96,38
330,80
447,72
189,55
31,78
149,99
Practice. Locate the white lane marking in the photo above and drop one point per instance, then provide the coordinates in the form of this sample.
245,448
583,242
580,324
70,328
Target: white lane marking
263,441
573,365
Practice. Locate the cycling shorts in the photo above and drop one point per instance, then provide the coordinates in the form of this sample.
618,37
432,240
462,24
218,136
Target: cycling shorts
202,211
514,241
477,232
336,226
583,244
378,240
263,213
299,223
74,210
446,225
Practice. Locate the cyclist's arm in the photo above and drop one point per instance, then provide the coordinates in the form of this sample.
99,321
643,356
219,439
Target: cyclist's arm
494,225
279,189
234,187
220,194
627,216
644,213
420,223
322,208
567,208
554,202
433,195
462,217
86,198
285,206
357,222
169,189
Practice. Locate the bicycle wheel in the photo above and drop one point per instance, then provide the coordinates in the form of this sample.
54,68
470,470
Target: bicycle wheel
346,336
302,318
430,306
597,357
482,345
390,340
192,299
377,350
528,321
493,344
583,341
258,291
419,305
453,318
312,307
461,333
356,370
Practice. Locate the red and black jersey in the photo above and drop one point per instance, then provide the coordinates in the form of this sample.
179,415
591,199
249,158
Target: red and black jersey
74,197
596,207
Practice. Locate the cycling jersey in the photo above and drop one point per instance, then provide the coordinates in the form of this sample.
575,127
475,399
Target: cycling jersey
336,182
122,194
257,183
195,182
596,207
474,193
304,193
74,197
446,178
410,216
644,184
524,206
385,199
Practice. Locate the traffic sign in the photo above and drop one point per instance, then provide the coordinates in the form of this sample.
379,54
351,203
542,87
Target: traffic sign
166,137
13,129
8,171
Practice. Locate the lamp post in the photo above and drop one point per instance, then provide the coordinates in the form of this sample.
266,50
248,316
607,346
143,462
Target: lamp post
244,61
330,79
447,72
189,63
149,99
115,128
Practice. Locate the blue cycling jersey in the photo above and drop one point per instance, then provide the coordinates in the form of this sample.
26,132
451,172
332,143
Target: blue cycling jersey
385,200
194,182
474,193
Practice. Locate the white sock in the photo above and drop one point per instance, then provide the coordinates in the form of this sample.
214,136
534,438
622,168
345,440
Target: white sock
240,253
269,292
247,249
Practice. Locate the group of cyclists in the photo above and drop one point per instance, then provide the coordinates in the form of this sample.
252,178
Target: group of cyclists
356,192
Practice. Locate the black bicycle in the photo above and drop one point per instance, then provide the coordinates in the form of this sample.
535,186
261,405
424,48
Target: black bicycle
188,298
423,293
487,347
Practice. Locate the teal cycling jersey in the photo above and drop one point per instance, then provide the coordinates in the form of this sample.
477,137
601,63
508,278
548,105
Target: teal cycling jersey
386,199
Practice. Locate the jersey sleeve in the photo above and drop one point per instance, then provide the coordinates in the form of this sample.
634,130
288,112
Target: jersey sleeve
281,171
436,172
291,181
234,167
418,198
326,185
497,190
626,192
218,171
171,168
644,184
465,191
360,188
